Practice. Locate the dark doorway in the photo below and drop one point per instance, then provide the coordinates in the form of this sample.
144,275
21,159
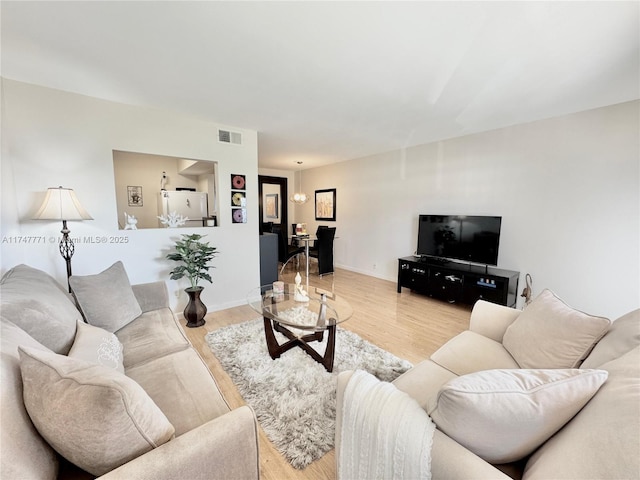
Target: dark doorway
278,214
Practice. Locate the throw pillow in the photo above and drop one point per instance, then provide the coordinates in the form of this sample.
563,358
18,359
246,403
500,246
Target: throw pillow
106,299
35,302
94,416
97,346
550,334
504,415
622,337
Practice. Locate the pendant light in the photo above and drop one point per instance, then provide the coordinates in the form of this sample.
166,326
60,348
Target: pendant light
299,198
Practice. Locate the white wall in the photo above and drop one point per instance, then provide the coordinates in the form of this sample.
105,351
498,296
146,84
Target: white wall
52,138
567,189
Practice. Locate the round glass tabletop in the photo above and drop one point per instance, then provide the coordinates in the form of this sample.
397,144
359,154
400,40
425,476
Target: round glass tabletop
321,309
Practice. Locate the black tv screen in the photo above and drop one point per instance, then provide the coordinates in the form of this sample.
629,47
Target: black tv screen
459,237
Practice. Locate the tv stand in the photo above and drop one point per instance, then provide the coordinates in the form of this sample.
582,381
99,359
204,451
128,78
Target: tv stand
434,260
458,282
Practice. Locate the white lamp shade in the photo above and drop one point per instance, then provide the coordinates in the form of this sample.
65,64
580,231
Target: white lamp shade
61,204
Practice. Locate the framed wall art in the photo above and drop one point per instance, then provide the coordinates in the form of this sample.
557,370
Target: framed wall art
326,204
134,196
239,215
271,205
238,199
238,182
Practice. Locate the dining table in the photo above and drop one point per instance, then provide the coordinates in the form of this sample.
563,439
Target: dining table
306,239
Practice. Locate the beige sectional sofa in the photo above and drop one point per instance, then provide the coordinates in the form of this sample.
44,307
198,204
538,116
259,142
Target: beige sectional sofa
544,393
126,397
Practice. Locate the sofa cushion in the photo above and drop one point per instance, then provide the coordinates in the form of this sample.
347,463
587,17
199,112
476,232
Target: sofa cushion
97,346
151,296
35,302
92,415
550,334
602,440
423,381
153,334
470,352
183,387
25,454
622,337
106,298
504,415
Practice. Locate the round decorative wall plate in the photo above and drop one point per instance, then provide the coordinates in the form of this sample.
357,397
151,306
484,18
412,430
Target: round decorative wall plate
237,181
238,215
237,199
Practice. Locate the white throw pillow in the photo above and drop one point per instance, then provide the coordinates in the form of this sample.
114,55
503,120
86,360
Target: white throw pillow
106,299
94,416
622,337
504,415
96,345
550,334
35,302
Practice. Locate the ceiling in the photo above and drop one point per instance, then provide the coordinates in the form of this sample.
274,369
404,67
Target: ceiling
329,81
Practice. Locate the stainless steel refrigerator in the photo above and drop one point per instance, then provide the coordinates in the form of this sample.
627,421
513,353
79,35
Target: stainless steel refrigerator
192,205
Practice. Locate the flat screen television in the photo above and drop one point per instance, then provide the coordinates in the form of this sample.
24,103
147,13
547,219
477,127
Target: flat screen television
472,239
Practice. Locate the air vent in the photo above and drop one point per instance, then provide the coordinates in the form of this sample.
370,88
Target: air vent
225,136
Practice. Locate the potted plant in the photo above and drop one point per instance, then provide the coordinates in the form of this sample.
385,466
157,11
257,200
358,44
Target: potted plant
195,256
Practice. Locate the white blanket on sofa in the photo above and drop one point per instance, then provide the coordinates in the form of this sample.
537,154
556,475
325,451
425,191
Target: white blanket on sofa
384,433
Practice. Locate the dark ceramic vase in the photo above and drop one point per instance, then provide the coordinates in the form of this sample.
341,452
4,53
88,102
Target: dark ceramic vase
196,310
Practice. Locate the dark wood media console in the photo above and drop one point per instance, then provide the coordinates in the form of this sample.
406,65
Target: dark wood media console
458,282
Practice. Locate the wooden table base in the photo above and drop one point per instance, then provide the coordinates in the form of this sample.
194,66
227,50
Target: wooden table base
276,349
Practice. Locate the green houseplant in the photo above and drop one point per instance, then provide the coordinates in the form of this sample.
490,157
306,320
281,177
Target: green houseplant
194,256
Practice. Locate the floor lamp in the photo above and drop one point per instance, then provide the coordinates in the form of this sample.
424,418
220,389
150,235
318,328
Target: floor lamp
62,204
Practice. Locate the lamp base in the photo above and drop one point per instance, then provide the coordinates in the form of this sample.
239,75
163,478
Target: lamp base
67,248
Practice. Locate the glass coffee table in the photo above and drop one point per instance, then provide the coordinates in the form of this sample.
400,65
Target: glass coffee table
300,322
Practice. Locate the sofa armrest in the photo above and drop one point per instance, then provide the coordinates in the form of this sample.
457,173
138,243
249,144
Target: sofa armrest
451,461
343,380
491,320
223,448
151,296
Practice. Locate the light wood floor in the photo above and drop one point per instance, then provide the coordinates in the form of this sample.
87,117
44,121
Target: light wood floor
409,325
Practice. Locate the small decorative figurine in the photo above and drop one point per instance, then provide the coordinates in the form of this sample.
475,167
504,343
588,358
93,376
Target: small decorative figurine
300,295
131,222
527,291
173,220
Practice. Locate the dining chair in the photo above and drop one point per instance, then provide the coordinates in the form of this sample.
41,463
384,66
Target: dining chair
314,246
285,251
324,250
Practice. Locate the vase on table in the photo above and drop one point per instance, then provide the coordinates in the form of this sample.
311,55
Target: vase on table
195,310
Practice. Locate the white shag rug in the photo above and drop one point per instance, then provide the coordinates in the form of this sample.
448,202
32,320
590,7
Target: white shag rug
294,397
